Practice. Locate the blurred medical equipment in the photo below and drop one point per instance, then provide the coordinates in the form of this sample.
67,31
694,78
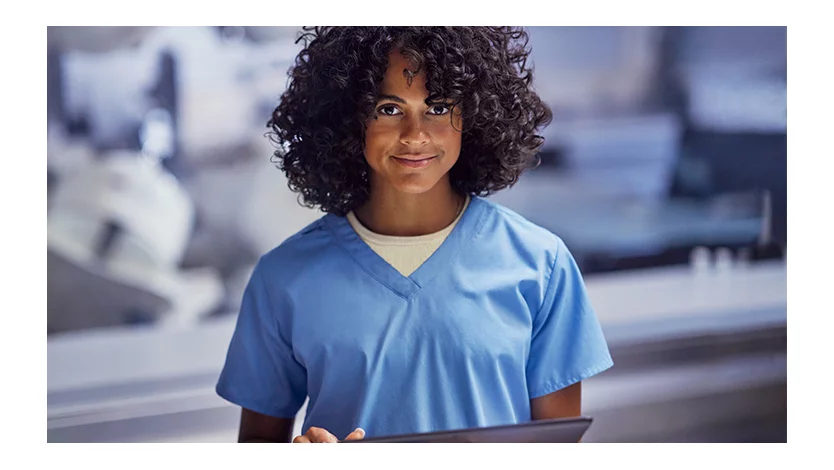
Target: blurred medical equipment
116,233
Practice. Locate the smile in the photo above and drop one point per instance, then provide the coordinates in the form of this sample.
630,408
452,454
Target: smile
415,163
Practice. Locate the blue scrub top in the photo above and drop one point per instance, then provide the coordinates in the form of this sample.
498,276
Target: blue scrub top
496,316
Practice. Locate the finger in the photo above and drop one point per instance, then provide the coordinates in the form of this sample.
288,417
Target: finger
301,440
319,435
356,435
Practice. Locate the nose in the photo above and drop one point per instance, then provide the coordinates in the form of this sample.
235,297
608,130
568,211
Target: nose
414,133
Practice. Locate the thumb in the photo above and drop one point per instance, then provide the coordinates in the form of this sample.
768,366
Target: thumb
356,435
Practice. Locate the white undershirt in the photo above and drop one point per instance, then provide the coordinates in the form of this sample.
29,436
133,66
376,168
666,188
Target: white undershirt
405,254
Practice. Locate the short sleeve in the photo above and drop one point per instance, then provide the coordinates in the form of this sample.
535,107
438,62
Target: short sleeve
567,343
260,372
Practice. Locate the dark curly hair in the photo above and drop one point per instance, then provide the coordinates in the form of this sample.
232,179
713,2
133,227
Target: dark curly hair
333,87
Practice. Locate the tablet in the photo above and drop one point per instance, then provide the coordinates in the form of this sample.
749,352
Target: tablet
546,430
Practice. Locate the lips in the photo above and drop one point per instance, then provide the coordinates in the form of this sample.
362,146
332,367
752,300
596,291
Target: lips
415,161
414,157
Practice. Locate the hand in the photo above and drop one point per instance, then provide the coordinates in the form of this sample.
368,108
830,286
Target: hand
316,435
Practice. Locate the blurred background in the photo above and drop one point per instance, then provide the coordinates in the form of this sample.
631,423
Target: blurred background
664,171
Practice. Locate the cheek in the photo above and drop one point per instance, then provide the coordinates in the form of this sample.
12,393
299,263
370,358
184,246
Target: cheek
374,142
448,137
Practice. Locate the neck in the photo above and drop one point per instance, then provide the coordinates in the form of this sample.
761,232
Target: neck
395,213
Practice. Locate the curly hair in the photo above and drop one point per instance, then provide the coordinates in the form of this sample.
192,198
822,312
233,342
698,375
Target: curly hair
319,123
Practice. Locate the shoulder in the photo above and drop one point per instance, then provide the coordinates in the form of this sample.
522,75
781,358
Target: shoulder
537,257
512,230
297,251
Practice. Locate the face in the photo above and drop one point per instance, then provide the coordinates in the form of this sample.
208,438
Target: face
410,145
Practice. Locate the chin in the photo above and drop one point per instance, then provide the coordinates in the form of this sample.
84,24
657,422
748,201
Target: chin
416,185
414,188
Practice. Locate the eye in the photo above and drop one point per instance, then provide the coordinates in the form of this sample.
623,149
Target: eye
439,109
388,110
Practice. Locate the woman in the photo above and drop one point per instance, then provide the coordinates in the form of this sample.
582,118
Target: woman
414,305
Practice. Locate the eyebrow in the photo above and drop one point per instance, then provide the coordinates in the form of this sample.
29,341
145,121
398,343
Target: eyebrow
397,99
391,98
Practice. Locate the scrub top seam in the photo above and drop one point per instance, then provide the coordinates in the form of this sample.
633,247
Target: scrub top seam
550,286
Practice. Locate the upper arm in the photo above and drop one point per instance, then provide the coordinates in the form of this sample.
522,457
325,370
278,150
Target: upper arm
261,372
563,403
257,427
567,344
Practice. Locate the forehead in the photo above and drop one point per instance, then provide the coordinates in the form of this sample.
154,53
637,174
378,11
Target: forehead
396,82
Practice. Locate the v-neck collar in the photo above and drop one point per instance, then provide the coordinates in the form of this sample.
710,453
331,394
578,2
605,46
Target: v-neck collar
405,286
